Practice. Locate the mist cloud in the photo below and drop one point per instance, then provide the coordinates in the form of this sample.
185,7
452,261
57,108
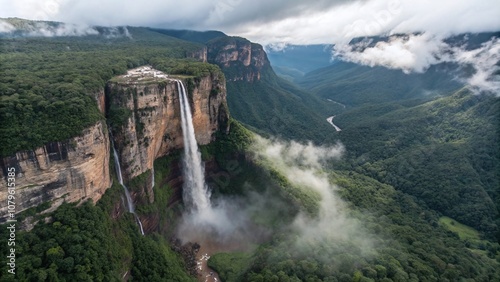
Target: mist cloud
56,29
417,52
42,29
46,30
303,165
230,224
6,27
414,53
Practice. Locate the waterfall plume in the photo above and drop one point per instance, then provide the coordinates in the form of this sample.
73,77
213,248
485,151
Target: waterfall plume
196,195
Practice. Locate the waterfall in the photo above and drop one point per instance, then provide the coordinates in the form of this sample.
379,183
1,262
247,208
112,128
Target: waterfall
195,192
130,203
152,177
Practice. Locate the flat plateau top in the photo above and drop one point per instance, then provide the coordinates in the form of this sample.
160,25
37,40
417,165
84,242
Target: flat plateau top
144,74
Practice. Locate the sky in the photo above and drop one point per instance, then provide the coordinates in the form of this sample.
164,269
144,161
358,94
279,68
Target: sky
278,21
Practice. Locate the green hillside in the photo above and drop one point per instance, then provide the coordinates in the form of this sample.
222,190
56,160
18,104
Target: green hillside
270,105
276,107
421,133
191,35
445,152
399,238
408,245
355,85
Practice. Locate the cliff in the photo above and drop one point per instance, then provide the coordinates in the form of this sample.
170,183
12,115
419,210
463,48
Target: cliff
200,55
239,58
72,170
152,125
143,110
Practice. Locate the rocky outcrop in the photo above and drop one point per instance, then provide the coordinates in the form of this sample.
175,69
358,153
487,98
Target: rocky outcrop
101,101
200,54
73,170
239,58
153,126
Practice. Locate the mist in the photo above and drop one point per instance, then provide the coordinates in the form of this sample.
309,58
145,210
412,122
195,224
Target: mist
43,29
304,165
227,225
241,222
418,52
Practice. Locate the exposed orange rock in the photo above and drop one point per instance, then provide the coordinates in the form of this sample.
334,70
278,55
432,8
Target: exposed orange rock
74,170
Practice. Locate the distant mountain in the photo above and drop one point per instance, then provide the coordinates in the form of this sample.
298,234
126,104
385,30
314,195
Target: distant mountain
355,85
191,35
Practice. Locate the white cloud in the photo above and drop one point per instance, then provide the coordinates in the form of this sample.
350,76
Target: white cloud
47,30
416,53
302,165
283,22
340,23
42,29
6,27
485,61
263,21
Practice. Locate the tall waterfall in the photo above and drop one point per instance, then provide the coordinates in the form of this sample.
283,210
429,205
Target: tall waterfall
196,195
153,176
130,203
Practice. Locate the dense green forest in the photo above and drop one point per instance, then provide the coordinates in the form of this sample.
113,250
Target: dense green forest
47,84
407,240
85,243
445,152
411,245
424,134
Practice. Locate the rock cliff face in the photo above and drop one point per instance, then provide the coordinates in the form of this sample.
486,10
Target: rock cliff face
200,55
72,170
153,126
101,101
239,58
147,106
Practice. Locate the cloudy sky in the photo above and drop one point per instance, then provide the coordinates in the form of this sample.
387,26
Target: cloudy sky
275,21
278,23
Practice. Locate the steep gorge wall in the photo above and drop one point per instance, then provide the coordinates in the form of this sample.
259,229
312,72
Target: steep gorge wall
73,170
153,128
240,59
